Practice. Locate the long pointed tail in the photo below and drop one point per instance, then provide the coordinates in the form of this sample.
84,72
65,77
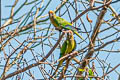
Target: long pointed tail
60,63
78,35
55,71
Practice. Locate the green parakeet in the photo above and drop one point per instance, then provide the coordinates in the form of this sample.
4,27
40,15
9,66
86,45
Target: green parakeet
68,46
91,73
61,23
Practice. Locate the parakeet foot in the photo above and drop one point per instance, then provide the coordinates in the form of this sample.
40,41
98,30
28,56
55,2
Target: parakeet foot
68,31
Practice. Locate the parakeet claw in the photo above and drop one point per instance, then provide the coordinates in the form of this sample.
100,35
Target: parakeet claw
68,31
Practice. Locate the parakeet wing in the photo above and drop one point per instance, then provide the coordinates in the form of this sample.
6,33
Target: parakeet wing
63,48
69,27
74,45
62,21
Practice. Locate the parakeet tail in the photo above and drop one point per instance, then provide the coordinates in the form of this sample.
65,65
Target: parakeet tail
60,63
78,35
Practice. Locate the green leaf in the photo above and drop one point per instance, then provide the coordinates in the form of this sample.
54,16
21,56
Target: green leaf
91,73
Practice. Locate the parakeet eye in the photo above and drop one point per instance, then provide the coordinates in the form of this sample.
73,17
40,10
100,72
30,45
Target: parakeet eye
50,14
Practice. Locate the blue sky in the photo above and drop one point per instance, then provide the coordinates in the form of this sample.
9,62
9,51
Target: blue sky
114,58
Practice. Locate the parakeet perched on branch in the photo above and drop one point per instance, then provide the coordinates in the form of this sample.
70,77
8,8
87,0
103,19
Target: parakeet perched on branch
61,23
68,46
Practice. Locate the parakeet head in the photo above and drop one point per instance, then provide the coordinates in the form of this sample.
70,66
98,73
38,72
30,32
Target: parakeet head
70,35
51,13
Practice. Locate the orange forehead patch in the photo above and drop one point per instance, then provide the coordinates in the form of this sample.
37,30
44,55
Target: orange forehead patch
51,11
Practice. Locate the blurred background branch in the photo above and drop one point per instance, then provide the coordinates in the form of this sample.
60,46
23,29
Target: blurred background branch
30,45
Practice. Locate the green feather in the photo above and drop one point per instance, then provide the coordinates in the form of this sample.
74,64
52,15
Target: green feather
68,46
61,23
64,48
66,25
